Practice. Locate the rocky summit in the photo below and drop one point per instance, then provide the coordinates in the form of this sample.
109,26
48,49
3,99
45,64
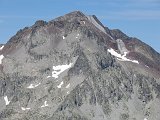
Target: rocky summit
75,68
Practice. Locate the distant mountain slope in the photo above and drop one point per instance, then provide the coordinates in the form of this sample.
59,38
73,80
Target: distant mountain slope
75,68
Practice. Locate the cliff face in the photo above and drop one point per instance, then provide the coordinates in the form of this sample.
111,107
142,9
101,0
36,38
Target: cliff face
74,68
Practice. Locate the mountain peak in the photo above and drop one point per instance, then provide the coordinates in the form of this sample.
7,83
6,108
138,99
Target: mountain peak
39,23
77,13
75,68
71,15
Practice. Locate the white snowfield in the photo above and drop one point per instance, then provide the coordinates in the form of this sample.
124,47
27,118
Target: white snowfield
68,85
121,57
145,118
57,70
25,108
60,85
31,86
1,57
45,104
1,47
6,100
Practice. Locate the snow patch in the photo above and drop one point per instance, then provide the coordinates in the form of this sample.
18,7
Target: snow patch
60,85
134,61
145,118
31,86
68,85
25,108
6,100
125,53
121,57
59,69
122,85
1,47
48,76
114,53
77,36
1,57
147,66
45,104
63,37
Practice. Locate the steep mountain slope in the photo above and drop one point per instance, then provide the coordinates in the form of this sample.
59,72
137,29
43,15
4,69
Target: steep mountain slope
74,68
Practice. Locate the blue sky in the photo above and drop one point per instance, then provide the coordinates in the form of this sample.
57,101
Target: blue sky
136,18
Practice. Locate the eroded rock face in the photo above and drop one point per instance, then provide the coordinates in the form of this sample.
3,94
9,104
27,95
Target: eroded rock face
63,70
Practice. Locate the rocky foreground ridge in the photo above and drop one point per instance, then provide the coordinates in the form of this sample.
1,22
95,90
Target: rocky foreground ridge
75,68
